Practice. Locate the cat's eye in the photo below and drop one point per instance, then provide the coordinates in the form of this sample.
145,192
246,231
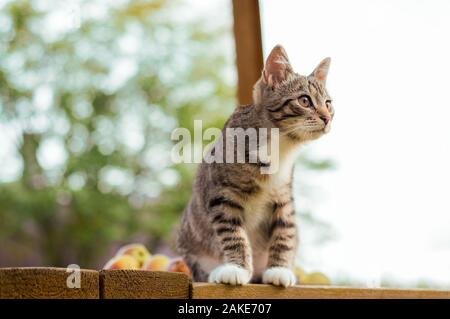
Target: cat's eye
328,104
305,101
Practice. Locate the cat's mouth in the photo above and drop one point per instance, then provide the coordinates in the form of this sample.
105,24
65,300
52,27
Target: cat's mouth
317,130
313,130
325,129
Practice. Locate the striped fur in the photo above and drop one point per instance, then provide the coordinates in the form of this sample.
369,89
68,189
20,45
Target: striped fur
238,216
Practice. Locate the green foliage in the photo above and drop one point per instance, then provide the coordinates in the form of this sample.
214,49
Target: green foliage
135,71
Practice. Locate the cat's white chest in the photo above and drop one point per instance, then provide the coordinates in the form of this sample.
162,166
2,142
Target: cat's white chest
258,209
272,186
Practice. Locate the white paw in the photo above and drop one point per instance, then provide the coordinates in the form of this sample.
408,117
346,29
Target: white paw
229,274
279,276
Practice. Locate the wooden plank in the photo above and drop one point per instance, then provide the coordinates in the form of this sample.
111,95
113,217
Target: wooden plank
46,283
252,291
142,284
249,56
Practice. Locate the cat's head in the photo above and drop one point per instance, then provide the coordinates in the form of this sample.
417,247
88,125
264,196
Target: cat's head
298,105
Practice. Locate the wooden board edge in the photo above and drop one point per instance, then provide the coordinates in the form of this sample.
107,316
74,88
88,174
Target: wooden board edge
48,283
252,291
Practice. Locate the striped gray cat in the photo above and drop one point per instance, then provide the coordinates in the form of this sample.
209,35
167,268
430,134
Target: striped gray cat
239,225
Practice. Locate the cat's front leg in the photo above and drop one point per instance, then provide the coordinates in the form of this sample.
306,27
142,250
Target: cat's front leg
283,246
226,217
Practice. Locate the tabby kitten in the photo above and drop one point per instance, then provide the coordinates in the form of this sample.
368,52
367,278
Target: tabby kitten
239,225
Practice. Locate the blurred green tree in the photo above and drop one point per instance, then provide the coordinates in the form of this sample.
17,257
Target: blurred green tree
80,92
89,94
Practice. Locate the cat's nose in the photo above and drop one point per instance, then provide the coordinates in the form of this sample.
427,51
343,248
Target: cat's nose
325,119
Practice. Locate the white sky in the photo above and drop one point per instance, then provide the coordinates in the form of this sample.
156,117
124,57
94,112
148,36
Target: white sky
388,198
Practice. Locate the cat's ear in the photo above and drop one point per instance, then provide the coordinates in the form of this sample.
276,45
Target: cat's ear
277,67
321,71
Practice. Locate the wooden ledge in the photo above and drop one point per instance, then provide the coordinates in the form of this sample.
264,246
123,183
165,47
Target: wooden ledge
46,283
217,291
142,284
20,283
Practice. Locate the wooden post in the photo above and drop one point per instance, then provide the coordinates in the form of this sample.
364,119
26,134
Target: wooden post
142,284
46,283
249,56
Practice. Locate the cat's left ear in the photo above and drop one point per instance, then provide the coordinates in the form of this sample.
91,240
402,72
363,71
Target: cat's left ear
277,67
321,71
